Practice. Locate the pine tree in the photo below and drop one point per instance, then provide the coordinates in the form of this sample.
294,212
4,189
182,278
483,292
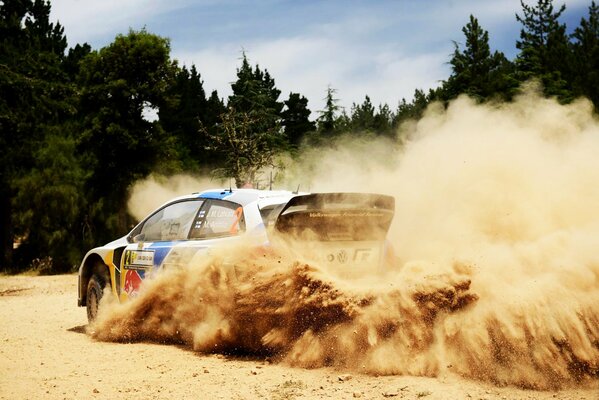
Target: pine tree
255,93
327,119
183,117
586,56
71,63
362,116
475,70
249,133
383,120
35,101
214,109
414,110
544,48
296,120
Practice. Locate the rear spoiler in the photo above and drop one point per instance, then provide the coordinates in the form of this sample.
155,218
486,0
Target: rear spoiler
337,216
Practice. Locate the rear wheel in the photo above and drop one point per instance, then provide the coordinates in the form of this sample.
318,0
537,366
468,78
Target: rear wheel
95,289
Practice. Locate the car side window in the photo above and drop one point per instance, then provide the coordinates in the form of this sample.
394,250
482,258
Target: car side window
219,219
173,222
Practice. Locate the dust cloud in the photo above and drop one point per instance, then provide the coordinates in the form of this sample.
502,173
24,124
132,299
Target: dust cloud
496,234
148,194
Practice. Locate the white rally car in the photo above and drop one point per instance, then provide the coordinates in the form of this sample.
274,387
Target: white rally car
345,230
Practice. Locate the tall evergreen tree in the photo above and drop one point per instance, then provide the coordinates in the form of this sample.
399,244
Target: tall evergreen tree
383,120
71,63
414,110
255,93
544,48
35,100
214,109
326,120
362,116
120,82
296,120
475,70
586,56
250,131
183,117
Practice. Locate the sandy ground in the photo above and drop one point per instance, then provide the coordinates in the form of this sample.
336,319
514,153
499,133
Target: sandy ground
45,353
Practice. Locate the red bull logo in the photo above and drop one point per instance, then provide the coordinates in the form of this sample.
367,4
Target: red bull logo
132,282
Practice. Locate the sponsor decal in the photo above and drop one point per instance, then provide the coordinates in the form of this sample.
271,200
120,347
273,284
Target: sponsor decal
345,214
342,256
133,281
352,256
139,258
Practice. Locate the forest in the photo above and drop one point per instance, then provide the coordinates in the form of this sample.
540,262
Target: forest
78,126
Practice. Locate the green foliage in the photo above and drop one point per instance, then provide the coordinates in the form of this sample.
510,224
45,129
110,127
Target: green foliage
120,84
71,63
475,70
586,56
544,48
184,115
383,120
327,118
414,110
296,120
48,204
255,93
362,116
35,101
367,120
77,129
245,151
249,134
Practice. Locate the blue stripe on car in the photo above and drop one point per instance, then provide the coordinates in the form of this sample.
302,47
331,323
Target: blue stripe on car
214,195
161,250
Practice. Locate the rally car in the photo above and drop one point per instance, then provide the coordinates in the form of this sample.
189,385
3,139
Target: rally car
346,230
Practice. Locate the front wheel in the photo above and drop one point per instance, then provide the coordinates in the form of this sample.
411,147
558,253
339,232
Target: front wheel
95,289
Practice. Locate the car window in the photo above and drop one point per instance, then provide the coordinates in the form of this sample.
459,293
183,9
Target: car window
220,218
270,213
173,222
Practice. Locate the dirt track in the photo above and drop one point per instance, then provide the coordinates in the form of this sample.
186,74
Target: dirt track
45,353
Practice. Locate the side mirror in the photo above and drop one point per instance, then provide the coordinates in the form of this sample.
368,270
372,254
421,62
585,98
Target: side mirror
139,237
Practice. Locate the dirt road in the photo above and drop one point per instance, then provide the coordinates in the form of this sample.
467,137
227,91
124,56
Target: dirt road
45,353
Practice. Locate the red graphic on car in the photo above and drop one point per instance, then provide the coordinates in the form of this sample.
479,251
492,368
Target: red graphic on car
132,282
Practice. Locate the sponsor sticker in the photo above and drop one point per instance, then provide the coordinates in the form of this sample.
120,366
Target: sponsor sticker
353,256
345,214
139,258
133,281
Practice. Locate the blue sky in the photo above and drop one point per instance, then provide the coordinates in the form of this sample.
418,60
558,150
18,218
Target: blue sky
382,48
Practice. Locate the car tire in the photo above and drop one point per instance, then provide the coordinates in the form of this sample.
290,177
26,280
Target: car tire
95,290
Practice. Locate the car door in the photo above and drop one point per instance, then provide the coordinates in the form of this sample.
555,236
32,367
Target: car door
174,235
153,241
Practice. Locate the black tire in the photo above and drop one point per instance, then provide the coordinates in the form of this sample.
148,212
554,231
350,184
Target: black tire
95,290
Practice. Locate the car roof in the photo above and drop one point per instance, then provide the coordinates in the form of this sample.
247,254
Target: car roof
244,196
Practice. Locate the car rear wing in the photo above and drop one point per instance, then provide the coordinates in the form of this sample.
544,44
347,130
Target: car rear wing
336,217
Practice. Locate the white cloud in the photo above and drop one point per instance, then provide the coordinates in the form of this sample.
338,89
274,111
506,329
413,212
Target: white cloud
384,49
88,20
309,64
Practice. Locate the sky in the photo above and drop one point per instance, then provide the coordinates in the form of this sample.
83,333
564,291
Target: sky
381,48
